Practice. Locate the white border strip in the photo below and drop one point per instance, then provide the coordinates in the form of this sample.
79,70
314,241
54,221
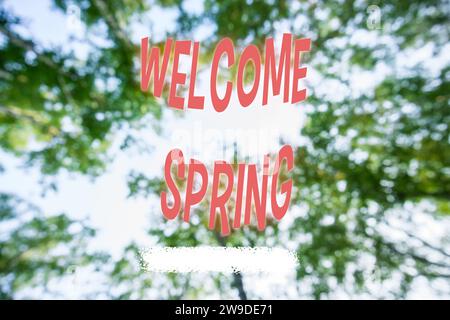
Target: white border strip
219,259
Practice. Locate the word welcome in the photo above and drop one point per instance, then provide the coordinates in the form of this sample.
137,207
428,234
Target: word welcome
151,65
220,194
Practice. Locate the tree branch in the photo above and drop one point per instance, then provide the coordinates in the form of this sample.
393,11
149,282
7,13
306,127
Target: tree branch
238,282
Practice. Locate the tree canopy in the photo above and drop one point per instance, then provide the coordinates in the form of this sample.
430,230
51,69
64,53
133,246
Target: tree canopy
374,158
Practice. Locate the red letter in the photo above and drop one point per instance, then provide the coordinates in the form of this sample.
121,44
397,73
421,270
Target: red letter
181,47
252,190
287,154
301,45
191,197
194,102
153,64
219,201
224,46
269,68
239,191
174,155
250,53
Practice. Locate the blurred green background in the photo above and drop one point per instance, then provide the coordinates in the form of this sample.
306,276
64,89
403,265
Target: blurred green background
372,177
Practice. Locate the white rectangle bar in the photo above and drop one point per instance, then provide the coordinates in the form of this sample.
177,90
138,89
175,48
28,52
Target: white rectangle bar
219,259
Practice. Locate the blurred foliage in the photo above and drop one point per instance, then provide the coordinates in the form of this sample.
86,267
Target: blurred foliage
34,248
370,158
59,111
